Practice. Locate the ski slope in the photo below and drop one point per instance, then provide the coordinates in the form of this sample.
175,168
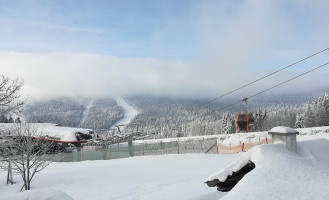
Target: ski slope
85,113
129,113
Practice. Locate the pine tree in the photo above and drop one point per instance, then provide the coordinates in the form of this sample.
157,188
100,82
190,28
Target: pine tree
321,109
227,124
2,119
10,120
300,122
18,120
309,117
259,120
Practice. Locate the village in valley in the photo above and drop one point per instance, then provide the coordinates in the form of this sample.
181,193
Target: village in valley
165,100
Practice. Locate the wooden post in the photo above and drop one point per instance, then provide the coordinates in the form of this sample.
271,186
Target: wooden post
10,174
130,146
177,146
109,146
104,150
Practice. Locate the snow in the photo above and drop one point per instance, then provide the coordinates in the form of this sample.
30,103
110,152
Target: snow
225,138
63,133
129,114
282,129
86,111
279,174
43,129
40,194
282,174
174,177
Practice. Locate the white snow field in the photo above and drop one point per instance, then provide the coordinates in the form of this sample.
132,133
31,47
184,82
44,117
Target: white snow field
173,177
279,174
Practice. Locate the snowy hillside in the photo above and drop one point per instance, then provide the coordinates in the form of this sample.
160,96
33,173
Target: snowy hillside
94,113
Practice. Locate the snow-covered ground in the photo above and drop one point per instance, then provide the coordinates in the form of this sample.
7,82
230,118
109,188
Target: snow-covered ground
129,114
174,177
279,174
282,174
304,134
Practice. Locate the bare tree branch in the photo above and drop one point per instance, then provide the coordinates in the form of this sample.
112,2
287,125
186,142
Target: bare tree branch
26,150
10,99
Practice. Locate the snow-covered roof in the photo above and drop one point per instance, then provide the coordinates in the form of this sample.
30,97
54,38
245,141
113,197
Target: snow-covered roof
49,129
283,130
280,173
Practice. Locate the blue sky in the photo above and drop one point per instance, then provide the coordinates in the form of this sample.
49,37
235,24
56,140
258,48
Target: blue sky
165,29
161,29
163,47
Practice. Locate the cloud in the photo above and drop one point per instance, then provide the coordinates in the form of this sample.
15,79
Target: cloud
238,44
80,74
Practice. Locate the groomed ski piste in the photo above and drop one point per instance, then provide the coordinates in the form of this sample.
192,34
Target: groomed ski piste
279,174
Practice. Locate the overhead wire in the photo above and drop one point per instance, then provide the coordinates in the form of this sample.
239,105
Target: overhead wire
302,74
259,79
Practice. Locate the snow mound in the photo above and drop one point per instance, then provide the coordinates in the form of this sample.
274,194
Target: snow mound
282,129
38,195
282,174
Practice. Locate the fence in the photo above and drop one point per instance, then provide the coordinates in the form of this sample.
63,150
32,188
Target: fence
241,147
141,148
123,150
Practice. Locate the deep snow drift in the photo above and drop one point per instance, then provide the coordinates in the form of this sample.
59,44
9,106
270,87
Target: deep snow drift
282,174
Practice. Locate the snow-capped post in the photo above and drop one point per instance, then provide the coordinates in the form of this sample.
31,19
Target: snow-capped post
285,135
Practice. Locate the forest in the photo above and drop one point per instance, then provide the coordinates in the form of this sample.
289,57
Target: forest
163,117
70,112
166,117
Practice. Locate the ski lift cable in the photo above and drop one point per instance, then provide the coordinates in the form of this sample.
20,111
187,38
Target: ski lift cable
250,83
288,80
274,86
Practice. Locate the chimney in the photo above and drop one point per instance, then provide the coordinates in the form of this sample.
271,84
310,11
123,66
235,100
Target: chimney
286,136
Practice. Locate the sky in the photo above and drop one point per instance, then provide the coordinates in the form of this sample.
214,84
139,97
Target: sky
186,49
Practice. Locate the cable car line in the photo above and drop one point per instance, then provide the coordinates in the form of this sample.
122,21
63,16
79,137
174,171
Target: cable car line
250,83
247,98
245,121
